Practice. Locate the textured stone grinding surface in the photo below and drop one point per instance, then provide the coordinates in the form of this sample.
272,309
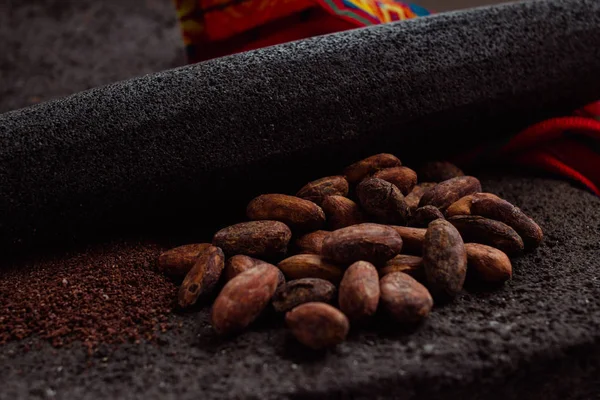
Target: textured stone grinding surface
159,153
53,48
538,337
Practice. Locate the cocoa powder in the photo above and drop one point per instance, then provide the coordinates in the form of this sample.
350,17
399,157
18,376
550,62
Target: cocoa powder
106,294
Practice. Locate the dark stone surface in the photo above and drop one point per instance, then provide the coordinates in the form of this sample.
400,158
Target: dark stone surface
161,153
54,48
536,338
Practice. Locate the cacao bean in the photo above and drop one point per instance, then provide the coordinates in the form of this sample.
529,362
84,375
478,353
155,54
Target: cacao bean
410,265
447,192
382,200
202,279
237,264
266,239
487,263
317,191
178,261
476,229
444,259
363,168
310,266
414,197
300,291
404,299
439,171
403,178
342,212
493,207
412,238
311,243
295,212
367,242
359,291
424,215
243,298
318,325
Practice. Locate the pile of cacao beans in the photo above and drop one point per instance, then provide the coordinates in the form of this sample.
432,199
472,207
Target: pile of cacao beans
376,240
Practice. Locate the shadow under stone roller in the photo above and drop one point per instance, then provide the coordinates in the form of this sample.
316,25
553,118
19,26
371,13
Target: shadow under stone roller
166,153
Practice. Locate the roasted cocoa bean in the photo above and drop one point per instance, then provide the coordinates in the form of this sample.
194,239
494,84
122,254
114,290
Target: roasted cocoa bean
243,299
265,239
404,299
476,229
310,266
424,215
410,265
295,212
317,191
412,238
237,264
447,192
403,178
493,207
367,242
342,212
363,168
444,259
300,291
382,200
487,263
202,279
311,243
414,197
359,291
178,261
317,325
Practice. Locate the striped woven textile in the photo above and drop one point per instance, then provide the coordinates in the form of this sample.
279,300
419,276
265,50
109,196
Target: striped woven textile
568,145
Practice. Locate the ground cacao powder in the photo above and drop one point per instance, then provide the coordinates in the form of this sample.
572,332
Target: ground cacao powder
106,294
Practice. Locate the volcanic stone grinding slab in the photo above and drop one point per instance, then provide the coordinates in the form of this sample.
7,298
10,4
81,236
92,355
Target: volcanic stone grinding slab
161,152
538,338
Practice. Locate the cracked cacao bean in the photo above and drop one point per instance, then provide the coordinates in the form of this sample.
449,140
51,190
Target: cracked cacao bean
382,200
